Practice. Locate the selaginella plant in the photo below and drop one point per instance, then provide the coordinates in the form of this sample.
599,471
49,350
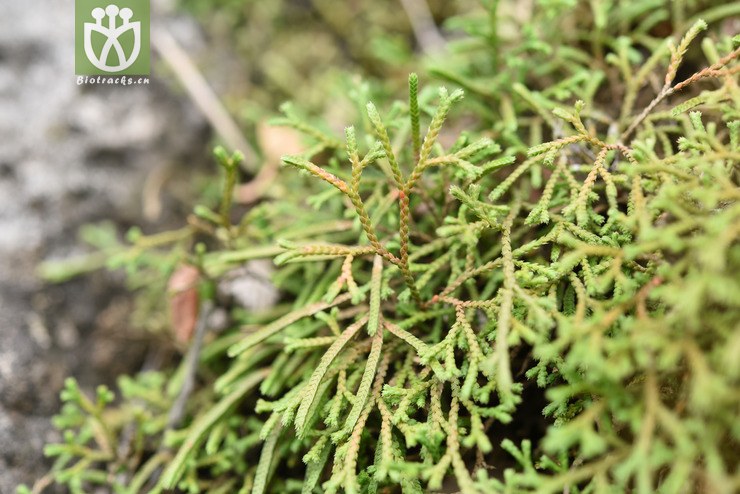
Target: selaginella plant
547,305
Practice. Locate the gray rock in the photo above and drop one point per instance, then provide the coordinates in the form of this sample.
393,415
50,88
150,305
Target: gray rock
69,155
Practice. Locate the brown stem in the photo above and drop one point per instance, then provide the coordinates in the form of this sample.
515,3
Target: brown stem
667,90
403,197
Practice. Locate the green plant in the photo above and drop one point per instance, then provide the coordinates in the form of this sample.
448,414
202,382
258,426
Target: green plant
447,288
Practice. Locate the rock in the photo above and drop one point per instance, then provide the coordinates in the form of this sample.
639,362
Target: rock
69,155
250,286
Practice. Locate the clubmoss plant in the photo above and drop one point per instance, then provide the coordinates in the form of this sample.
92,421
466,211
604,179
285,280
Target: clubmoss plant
545,302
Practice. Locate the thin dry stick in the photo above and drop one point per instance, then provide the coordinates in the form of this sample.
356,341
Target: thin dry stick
425,30
202,94
177,411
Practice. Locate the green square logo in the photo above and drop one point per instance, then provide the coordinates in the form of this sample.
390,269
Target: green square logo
112,37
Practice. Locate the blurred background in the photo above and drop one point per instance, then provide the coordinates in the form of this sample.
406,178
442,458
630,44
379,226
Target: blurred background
77,155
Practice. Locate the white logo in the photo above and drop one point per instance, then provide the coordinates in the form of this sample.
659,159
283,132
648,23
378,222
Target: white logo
112,33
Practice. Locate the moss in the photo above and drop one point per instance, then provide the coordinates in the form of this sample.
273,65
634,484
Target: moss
558,248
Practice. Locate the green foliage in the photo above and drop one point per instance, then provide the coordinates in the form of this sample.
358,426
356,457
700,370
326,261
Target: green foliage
565,262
